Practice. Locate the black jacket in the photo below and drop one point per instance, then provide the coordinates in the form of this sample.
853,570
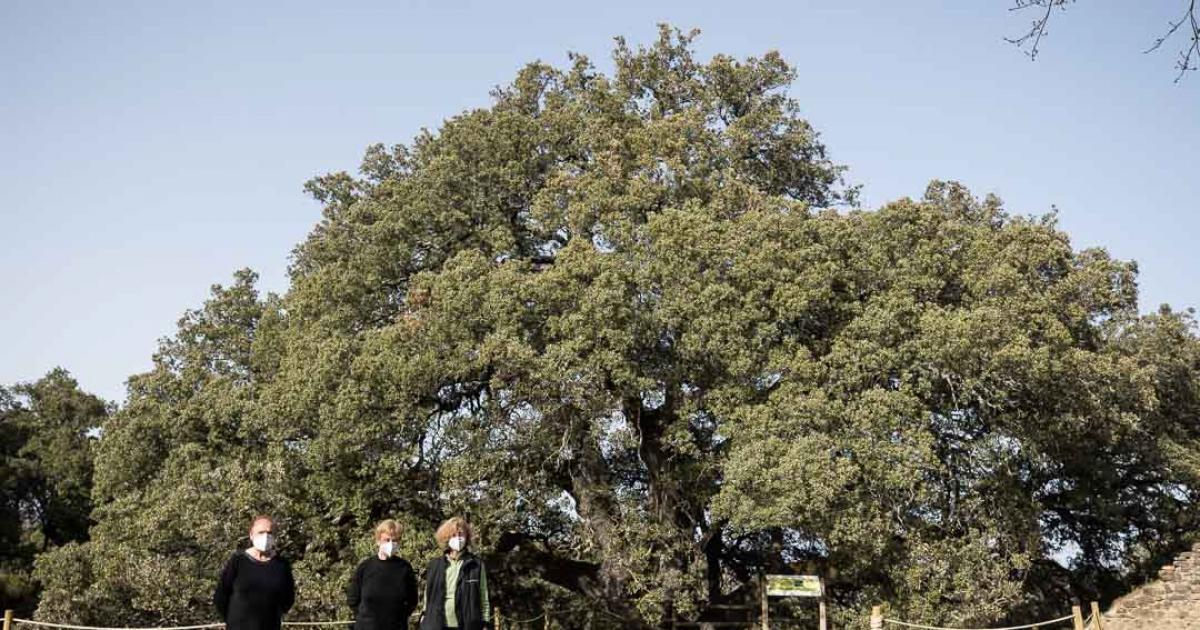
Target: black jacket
467,605
382,594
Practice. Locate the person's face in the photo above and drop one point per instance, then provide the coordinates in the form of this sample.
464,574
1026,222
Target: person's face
462,532
262,526
385,537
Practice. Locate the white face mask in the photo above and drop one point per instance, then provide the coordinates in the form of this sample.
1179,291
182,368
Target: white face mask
387,548
263,542
457,543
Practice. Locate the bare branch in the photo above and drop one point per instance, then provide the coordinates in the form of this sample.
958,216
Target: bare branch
1188,23
1037,29
1189,56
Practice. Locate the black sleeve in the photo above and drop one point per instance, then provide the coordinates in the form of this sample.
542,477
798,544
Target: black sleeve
354,590
225,586
288,597
410,593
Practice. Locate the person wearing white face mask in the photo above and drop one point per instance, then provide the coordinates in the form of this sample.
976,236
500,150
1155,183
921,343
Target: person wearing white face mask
255,588
383,591
456,591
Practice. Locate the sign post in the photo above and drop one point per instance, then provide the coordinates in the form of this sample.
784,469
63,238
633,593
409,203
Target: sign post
762,588
821,606
1097,616
795,586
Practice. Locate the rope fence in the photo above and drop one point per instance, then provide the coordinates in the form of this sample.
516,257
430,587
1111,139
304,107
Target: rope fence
1039,624
10,622
45,624
67,626
544,618
564,611
1094,621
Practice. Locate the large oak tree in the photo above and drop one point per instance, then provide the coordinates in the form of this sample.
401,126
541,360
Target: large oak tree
634,327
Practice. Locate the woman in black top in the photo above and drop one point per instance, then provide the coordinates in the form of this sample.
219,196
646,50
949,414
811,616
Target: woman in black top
255,588
383,592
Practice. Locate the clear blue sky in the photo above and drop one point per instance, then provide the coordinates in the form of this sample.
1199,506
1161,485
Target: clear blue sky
149,149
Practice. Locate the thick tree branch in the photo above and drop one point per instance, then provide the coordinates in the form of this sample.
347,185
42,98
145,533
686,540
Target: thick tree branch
518,554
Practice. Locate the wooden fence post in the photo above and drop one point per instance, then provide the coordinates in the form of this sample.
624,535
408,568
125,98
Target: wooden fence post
499,620
877,618
1097,616
8,620
545,619
1077,615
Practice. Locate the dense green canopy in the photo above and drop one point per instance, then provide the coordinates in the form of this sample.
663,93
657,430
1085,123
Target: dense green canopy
633,327
46,439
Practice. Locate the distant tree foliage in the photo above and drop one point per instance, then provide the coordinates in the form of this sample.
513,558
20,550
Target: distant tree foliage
633,327
47,431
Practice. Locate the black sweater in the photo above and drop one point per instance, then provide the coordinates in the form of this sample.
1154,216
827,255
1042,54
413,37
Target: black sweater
254,595
382,594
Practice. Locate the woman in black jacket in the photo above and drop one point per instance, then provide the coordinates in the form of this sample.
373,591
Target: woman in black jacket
456,591
383,592
255,587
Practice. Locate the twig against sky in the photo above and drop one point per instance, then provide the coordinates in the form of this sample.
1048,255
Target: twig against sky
1188,56
1029,42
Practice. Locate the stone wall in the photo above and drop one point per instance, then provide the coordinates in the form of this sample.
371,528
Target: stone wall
1170,603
